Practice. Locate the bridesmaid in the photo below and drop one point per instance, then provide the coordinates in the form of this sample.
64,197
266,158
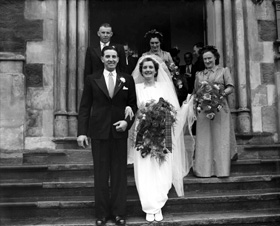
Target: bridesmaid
155,39
215,139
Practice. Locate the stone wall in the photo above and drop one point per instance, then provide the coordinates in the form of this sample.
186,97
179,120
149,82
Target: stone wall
261,35
29,27
15,28
12,105
40,70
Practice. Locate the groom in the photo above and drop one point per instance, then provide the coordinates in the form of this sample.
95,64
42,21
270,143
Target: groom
107,93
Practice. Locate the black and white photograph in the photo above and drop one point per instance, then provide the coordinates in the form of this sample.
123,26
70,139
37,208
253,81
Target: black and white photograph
139,112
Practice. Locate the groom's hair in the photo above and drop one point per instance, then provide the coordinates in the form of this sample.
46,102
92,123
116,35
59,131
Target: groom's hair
156,65
109,48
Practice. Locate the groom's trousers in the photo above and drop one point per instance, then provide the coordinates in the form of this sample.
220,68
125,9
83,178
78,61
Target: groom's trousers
110,165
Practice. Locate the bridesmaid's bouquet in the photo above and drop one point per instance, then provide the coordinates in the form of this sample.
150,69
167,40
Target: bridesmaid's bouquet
175,74
154,129
209,98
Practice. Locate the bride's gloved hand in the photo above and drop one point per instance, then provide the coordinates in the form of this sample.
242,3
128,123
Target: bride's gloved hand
128,112
187,99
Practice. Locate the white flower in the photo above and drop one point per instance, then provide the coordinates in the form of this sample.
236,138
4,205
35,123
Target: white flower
207,96
219,107
211,116
144,116
122,79
216,86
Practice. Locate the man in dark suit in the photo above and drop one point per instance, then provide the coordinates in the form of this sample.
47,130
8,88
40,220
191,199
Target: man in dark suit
130,61
108,93
93,61
188,71
199,63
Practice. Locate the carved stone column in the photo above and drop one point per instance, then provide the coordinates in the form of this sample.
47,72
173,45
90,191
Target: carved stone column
277,57
228,51
61,124
82,43
244,121
219,29
72,68
72,41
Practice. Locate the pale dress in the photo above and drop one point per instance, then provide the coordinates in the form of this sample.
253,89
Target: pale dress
153,180
165,56
215,139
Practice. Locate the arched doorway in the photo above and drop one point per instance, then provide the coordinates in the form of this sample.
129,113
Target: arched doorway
181,22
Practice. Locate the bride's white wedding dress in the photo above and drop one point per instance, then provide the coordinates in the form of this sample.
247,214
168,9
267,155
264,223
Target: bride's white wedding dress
154,180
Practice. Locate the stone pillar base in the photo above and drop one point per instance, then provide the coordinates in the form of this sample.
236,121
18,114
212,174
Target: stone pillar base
244,121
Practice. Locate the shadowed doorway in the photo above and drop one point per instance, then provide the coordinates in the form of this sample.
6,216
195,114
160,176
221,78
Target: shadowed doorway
181,22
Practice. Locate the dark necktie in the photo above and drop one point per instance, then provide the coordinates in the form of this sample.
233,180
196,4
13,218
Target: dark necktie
111,86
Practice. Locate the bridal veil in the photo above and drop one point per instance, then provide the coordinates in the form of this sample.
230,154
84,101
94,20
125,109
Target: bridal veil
182,162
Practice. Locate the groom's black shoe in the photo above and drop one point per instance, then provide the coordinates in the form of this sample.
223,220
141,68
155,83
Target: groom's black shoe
101,221
120,220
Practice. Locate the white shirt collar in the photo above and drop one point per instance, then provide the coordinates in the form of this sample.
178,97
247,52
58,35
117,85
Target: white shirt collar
106,73
102,44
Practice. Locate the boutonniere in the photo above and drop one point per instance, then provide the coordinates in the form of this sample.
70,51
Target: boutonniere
122,80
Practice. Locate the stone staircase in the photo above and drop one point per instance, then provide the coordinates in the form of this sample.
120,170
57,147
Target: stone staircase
55,187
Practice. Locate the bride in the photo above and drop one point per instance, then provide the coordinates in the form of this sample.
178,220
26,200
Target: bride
154,180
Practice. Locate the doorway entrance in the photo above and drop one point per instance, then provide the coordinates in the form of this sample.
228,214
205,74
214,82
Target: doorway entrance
181,22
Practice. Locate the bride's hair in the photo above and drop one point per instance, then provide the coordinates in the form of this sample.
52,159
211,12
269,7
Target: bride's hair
156,65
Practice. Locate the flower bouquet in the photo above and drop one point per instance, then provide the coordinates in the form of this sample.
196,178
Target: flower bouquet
154,129
176,78
209,98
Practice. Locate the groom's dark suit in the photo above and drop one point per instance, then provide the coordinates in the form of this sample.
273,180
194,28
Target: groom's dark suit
109,146
93,61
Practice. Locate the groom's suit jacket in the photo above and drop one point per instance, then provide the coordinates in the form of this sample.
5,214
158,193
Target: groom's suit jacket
93,61
106,110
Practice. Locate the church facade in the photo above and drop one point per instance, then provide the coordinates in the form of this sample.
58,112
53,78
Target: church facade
42,52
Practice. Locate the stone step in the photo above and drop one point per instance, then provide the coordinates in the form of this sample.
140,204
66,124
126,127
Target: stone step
53,172
234,218
75,156
57,156
46,173
255,166
187,204
260,151
31,190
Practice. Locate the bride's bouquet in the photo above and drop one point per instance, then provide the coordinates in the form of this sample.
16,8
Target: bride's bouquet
154,129
209,98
